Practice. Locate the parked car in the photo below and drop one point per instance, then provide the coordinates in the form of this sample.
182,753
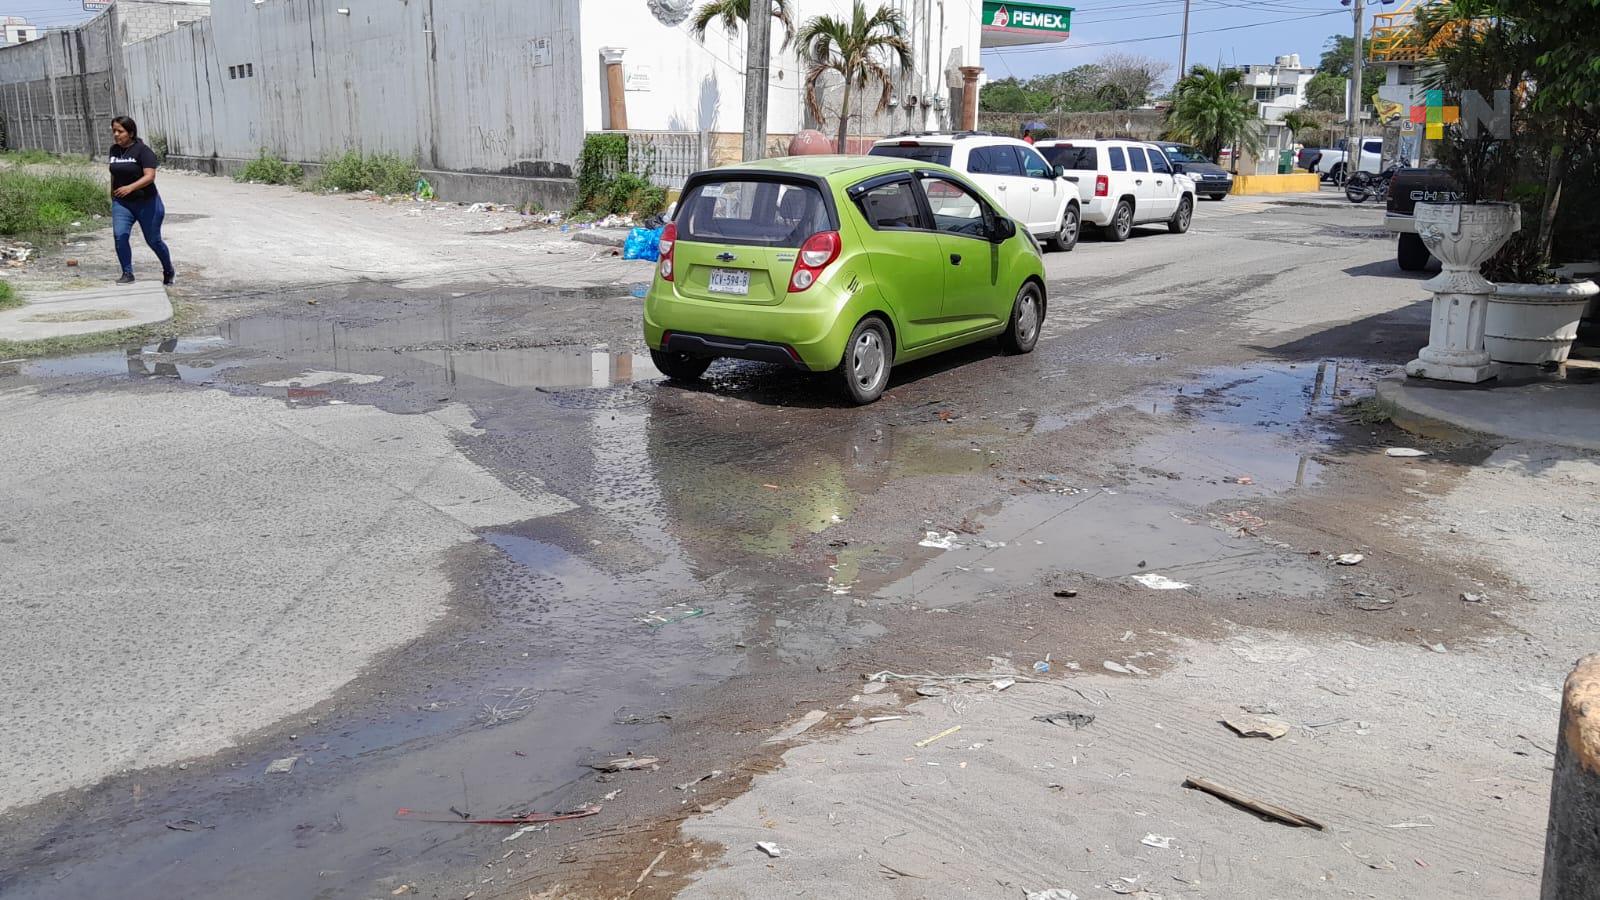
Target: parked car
1211,181
1332,162
842,264
1407,188
1009,170
1123,183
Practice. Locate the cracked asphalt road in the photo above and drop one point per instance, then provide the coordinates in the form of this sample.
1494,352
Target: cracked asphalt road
423,538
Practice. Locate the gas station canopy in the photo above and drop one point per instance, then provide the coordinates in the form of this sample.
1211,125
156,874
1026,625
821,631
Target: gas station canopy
1007,24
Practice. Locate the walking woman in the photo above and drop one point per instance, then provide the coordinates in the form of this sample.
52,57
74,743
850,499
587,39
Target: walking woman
134,198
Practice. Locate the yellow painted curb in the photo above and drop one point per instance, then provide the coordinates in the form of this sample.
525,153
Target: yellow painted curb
1299,182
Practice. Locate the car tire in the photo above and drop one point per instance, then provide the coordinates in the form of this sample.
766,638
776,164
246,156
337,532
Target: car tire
680,366
868,358
1027,317
1071,224
1121,223
1336,174
1412,254
1179,223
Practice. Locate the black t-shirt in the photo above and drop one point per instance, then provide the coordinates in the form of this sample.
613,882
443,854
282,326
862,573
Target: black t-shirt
128,165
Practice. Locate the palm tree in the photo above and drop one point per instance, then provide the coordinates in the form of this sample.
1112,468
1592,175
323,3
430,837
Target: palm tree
733,13
1210,110
854,50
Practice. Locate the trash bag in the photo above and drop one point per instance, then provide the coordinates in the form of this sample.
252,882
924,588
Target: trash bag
424,190
642,243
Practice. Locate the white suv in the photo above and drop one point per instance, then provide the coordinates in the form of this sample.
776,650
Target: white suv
1122,184
1009,171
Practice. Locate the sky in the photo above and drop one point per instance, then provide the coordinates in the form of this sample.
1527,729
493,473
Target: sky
1257,31
1232,31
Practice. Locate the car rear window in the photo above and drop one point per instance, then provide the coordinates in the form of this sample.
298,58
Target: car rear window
1073,157
928,153
763,212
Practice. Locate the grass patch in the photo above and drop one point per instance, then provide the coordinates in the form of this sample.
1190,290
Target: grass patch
182,315
82,315
1369,411
8,296
41,157
266,169
32,203
380,173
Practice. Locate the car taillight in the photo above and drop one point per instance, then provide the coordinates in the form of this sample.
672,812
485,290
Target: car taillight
816,254
1102,185
669,237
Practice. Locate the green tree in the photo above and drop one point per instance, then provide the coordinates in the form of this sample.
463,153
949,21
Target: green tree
1337,53
1325,93
859,51
734,13
1210,110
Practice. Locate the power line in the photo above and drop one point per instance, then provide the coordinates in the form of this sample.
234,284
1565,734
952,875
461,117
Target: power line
1157,37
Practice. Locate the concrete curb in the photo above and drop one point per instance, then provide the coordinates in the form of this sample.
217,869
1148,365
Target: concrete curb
1572,842
1412,402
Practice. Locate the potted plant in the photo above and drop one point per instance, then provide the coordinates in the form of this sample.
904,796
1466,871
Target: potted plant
1491,46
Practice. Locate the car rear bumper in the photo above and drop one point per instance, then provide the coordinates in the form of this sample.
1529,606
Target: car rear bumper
803,330
1097,211
1400,223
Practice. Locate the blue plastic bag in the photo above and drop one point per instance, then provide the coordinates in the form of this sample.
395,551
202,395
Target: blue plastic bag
642,243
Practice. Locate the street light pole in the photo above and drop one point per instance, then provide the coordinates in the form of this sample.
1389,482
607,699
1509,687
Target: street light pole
1183,45
758,54
1355,99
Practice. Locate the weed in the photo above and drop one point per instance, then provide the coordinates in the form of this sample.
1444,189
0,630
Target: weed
381,173
28,157
1369,411
270,170
48,203
8,296
182,315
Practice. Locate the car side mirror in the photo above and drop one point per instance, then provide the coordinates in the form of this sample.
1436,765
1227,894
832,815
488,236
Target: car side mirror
1177,168
1061,171
1002,230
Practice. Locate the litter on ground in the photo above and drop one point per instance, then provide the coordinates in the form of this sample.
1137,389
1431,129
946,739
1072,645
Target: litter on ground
1159,582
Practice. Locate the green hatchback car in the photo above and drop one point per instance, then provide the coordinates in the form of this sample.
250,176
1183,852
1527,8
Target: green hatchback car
842,264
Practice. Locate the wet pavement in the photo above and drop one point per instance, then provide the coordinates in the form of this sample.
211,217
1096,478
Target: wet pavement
747,526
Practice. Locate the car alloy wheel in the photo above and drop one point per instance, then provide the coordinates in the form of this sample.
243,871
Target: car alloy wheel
1121,222
1071,221
1182,218
1027,313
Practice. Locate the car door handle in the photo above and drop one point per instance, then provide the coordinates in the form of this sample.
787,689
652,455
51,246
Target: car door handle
1036,189
1138,181
955,259
1002,187
1159,181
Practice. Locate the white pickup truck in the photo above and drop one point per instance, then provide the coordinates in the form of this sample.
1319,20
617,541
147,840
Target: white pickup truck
1330,163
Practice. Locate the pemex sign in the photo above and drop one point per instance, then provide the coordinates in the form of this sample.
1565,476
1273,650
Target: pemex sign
1007,24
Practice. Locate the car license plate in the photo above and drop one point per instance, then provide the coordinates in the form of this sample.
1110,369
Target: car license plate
730,281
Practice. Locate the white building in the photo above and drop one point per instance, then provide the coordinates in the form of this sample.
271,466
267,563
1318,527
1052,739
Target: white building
677,82
16,30
1279,88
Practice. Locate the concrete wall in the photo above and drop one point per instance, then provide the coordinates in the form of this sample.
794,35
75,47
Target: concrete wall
678,83
454,84
59,93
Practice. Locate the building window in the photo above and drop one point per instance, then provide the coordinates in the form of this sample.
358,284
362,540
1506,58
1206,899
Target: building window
1285,91
233,72
1264,93
250,72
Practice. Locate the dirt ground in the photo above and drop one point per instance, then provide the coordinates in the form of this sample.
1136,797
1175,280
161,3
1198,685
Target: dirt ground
710,563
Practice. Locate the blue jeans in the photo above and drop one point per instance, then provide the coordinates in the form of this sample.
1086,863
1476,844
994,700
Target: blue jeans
148,213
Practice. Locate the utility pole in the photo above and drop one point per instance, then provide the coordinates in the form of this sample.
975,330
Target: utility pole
1352,157
1183,45
758,54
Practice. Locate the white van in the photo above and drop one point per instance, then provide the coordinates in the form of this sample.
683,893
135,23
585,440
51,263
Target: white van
1010,171
1122,184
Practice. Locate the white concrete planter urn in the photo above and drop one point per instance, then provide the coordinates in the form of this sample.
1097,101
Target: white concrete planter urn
1535,324
1461,236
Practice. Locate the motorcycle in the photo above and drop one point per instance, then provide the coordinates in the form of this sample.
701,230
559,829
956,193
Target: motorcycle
1363,186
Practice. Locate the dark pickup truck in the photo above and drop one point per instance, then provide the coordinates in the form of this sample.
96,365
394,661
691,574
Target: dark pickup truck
1408,188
